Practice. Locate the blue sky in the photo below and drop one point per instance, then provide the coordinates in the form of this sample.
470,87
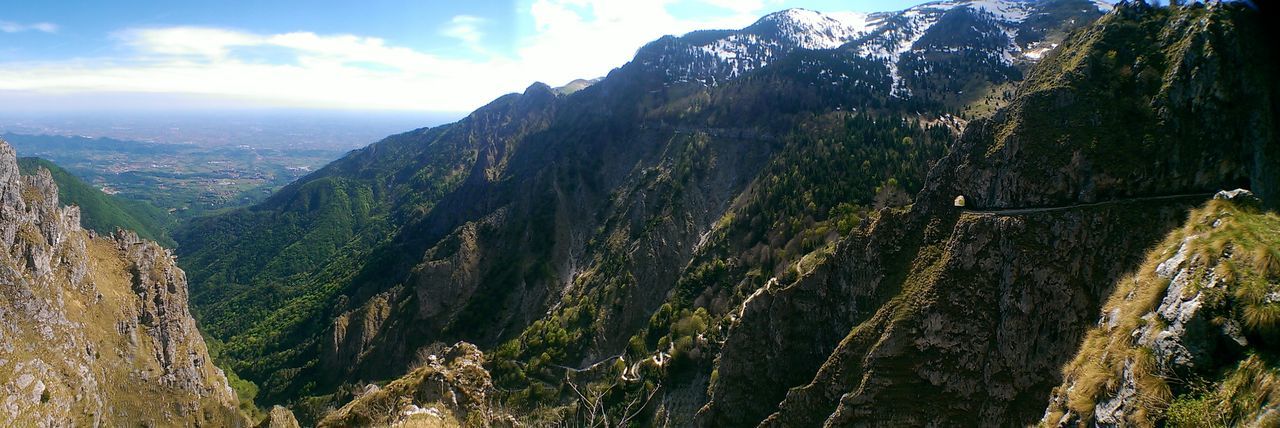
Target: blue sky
391,55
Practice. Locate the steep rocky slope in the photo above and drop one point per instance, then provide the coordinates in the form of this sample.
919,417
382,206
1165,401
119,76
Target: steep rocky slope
95,330
549,227
1100,154
279,417
1187,338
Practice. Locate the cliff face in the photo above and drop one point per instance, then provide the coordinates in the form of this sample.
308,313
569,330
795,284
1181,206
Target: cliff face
94,330
973,310
714,247
1147,101
1189,336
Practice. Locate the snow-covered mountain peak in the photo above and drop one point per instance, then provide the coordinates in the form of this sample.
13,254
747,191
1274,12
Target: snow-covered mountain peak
911,44
1009,11
810,29
1004,10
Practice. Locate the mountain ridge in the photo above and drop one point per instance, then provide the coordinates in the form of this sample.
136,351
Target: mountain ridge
485,194
916,334
658,222
95,330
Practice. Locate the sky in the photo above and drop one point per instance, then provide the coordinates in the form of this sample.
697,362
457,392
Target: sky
393,55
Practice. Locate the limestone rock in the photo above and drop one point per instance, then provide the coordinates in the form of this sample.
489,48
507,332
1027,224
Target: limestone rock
1178,318
445,389
94,331
279,417
937,316
1239,196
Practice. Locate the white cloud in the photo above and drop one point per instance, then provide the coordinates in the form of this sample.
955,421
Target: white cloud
465,28
587,38
184,41
322,71
571,39
14,27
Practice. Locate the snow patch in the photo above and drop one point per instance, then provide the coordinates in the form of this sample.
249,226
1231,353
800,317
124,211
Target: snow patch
889,45
883,37
1003,10
815,30
859,22
1037,50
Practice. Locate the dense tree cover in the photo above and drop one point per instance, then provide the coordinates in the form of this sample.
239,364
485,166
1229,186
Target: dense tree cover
265,291
840,151
955,62
830,171
836,171
268,279
101,212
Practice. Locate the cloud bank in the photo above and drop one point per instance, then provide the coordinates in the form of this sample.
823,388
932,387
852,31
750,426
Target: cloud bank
570,39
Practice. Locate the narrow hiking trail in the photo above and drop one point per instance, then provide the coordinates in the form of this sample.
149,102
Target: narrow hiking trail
1020,211
994,212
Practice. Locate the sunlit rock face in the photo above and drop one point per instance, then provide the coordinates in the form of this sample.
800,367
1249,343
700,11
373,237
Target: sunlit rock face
94,330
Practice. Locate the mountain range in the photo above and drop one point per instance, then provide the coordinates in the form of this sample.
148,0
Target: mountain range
594,202
974,212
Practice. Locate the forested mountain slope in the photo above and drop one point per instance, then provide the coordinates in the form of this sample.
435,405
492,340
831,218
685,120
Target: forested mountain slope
724,221
977,310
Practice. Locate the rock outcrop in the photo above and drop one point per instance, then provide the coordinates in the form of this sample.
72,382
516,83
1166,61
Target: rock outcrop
446,390
279,417
560,230
1183,339
95,330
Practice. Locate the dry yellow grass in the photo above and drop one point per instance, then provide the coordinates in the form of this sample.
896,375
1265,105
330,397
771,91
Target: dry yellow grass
1240,245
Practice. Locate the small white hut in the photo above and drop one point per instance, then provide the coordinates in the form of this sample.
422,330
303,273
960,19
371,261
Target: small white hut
960,201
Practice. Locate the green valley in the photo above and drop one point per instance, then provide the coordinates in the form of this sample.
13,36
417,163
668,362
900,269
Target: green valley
101,212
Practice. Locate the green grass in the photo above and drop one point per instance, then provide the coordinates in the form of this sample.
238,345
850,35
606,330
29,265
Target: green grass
1239,399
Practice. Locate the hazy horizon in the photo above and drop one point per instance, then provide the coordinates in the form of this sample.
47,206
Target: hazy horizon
276,127
377,56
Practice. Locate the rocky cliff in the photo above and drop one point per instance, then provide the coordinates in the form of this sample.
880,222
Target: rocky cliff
974,309
1187,338
95,330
